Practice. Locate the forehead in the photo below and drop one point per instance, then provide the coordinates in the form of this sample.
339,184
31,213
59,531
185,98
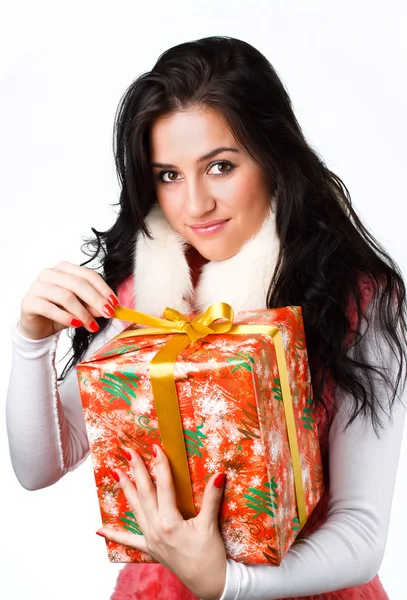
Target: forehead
188,134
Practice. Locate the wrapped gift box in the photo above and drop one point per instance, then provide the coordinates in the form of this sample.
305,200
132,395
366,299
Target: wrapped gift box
234,417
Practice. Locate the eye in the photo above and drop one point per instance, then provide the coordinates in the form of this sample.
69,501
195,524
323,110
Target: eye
162,173
223,163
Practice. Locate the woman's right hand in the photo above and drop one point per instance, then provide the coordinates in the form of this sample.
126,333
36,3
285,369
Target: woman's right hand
65,296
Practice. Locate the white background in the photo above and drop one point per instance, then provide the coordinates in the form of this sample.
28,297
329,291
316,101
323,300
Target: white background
64,67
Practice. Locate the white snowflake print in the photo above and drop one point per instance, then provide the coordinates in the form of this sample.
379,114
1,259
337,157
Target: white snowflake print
292,365
236,541
229,454
111,463
211,402
285,336
187,389
255,481
275,444
238,489
260,369
232,505
107,481
211,465
306,475
231,474
109,504
233,436
258,448
144,405
213,440
285,513
95,432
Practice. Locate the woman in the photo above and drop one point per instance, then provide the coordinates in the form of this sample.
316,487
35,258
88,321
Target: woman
223,199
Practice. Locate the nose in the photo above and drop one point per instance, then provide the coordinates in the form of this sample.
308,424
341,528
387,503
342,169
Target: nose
198,199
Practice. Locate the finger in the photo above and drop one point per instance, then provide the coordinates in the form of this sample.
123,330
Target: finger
60,305
146,493
85,284
92,277
212,498
166,497
128,488
121,537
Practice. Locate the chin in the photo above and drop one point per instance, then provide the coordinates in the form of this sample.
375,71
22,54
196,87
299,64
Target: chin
212,254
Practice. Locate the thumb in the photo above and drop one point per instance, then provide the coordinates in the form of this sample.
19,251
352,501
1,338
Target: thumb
212,498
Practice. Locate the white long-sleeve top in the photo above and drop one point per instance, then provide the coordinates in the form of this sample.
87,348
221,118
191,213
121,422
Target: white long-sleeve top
47,439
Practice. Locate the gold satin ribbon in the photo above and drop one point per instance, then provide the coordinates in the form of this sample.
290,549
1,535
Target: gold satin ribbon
165,394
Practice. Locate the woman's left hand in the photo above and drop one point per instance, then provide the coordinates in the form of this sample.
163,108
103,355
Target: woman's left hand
193,549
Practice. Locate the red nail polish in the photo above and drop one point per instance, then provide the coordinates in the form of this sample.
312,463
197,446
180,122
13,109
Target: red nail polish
127,454
108,310
113,300
219,480
154,450
76,323
115,475
94,326
99,533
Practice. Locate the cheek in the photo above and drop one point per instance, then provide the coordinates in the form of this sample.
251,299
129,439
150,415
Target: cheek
172,210
254,196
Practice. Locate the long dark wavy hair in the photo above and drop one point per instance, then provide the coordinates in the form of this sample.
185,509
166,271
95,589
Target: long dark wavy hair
325,248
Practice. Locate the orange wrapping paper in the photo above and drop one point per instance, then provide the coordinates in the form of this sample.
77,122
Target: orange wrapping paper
233,419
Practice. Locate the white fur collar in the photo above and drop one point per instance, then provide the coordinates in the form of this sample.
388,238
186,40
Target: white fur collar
162,275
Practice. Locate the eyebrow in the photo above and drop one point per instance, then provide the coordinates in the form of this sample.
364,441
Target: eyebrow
210,154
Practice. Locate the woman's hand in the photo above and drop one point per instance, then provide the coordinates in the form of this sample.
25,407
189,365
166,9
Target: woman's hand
192,549
65,296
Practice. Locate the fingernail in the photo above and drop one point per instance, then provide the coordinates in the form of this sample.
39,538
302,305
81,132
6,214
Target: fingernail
76,323
93,326
99,533
127,454
115,475
154,450
219,480
108,310
113,300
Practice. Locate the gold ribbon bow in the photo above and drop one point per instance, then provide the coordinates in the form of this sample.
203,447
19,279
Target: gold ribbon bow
165,393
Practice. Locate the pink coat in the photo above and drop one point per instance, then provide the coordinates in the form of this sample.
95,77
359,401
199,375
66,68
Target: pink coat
154,581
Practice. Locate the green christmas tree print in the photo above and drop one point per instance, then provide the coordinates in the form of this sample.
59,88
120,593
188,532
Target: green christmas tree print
130,523
273,557
260,500
193,441
296,524
242,361
250,424
120,385
121,350
276,389
307,413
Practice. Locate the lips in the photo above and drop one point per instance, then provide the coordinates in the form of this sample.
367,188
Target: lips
208,224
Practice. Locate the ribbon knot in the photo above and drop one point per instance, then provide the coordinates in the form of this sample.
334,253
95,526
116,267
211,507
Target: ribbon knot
203,324
197,328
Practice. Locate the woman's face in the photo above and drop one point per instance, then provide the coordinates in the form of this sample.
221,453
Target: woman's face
216,198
